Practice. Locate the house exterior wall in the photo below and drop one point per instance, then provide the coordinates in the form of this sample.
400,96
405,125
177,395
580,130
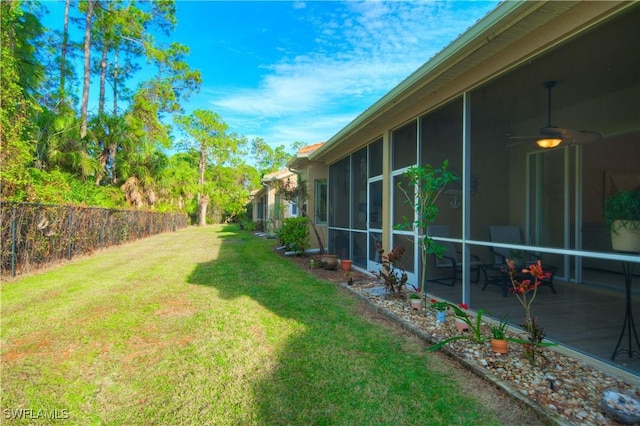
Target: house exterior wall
274,207
531,45
468,103
315,171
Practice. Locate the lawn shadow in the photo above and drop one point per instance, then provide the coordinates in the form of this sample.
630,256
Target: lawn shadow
338,367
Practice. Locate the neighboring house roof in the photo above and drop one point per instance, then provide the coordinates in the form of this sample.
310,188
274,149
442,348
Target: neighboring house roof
303,154
309,149
279,175
495,44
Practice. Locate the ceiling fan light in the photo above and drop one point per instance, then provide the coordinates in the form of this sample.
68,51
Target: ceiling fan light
548,142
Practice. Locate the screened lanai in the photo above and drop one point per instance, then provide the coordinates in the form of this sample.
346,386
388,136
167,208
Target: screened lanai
483,114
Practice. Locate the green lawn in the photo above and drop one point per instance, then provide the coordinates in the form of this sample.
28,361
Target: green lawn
209,326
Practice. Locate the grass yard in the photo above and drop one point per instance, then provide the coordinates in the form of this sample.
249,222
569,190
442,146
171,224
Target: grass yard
210,326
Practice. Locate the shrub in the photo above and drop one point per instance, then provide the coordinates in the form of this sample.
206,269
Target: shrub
248,225
294,234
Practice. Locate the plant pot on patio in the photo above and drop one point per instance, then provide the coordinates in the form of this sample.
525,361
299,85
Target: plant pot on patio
499,346
461,325
416,304
329,262
626,238
345,264
622,215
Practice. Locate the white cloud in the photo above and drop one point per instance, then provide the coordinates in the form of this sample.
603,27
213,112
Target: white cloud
362,50
299,5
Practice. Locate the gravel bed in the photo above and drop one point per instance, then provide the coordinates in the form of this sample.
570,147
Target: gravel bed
566,389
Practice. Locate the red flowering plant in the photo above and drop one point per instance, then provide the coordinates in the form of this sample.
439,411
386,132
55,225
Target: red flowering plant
524,284
394,277
439,305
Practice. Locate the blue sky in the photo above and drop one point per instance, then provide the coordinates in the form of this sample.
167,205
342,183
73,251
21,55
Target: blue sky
301,71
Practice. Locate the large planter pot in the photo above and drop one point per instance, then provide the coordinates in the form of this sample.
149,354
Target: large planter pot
329,261
626,238
345,264
499,346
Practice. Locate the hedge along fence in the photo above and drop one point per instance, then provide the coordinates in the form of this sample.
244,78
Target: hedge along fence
36,235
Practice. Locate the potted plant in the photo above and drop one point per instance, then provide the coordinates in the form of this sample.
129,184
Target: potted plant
462,319
622,216
440,307
416,300
473,325
329,261
349,276
466,323
345,264
499,336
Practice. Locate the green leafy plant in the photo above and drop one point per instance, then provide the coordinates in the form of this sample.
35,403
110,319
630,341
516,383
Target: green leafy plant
248,225
414,295
428,184
439,305
349,276
474,324
298,193
622,210
499,329
294,234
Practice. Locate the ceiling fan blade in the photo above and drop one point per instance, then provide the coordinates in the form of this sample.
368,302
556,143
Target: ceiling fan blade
522,140
587,136
568,136
530,137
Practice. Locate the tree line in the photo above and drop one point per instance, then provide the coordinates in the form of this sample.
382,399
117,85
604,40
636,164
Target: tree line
122,152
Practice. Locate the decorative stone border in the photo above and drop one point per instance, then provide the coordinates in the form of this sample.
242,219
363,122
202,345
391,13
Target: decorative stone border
557,395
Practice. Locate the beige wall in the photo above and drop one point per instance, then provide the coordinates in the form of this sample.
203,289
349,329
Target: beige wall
313,172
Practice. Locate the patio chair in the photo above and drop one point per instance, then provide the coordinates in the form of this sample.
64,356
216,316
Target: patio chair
451,258
509,234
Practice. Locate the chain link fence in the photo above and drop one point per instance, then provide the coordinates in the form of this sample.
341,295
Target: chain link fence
36,235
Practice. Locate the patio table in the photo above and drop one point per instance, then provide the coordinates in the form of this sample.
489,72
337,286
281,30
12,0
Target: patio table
496,274
628,324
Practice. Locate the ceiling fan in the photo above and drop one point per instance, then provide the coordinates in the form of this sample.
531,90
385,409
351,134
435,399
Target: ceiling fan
551,136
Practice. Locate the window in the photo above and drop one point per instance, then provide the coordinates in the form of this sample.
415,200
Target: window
404,148
340,193
321,202
293,209
276,206
375,158
358,197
